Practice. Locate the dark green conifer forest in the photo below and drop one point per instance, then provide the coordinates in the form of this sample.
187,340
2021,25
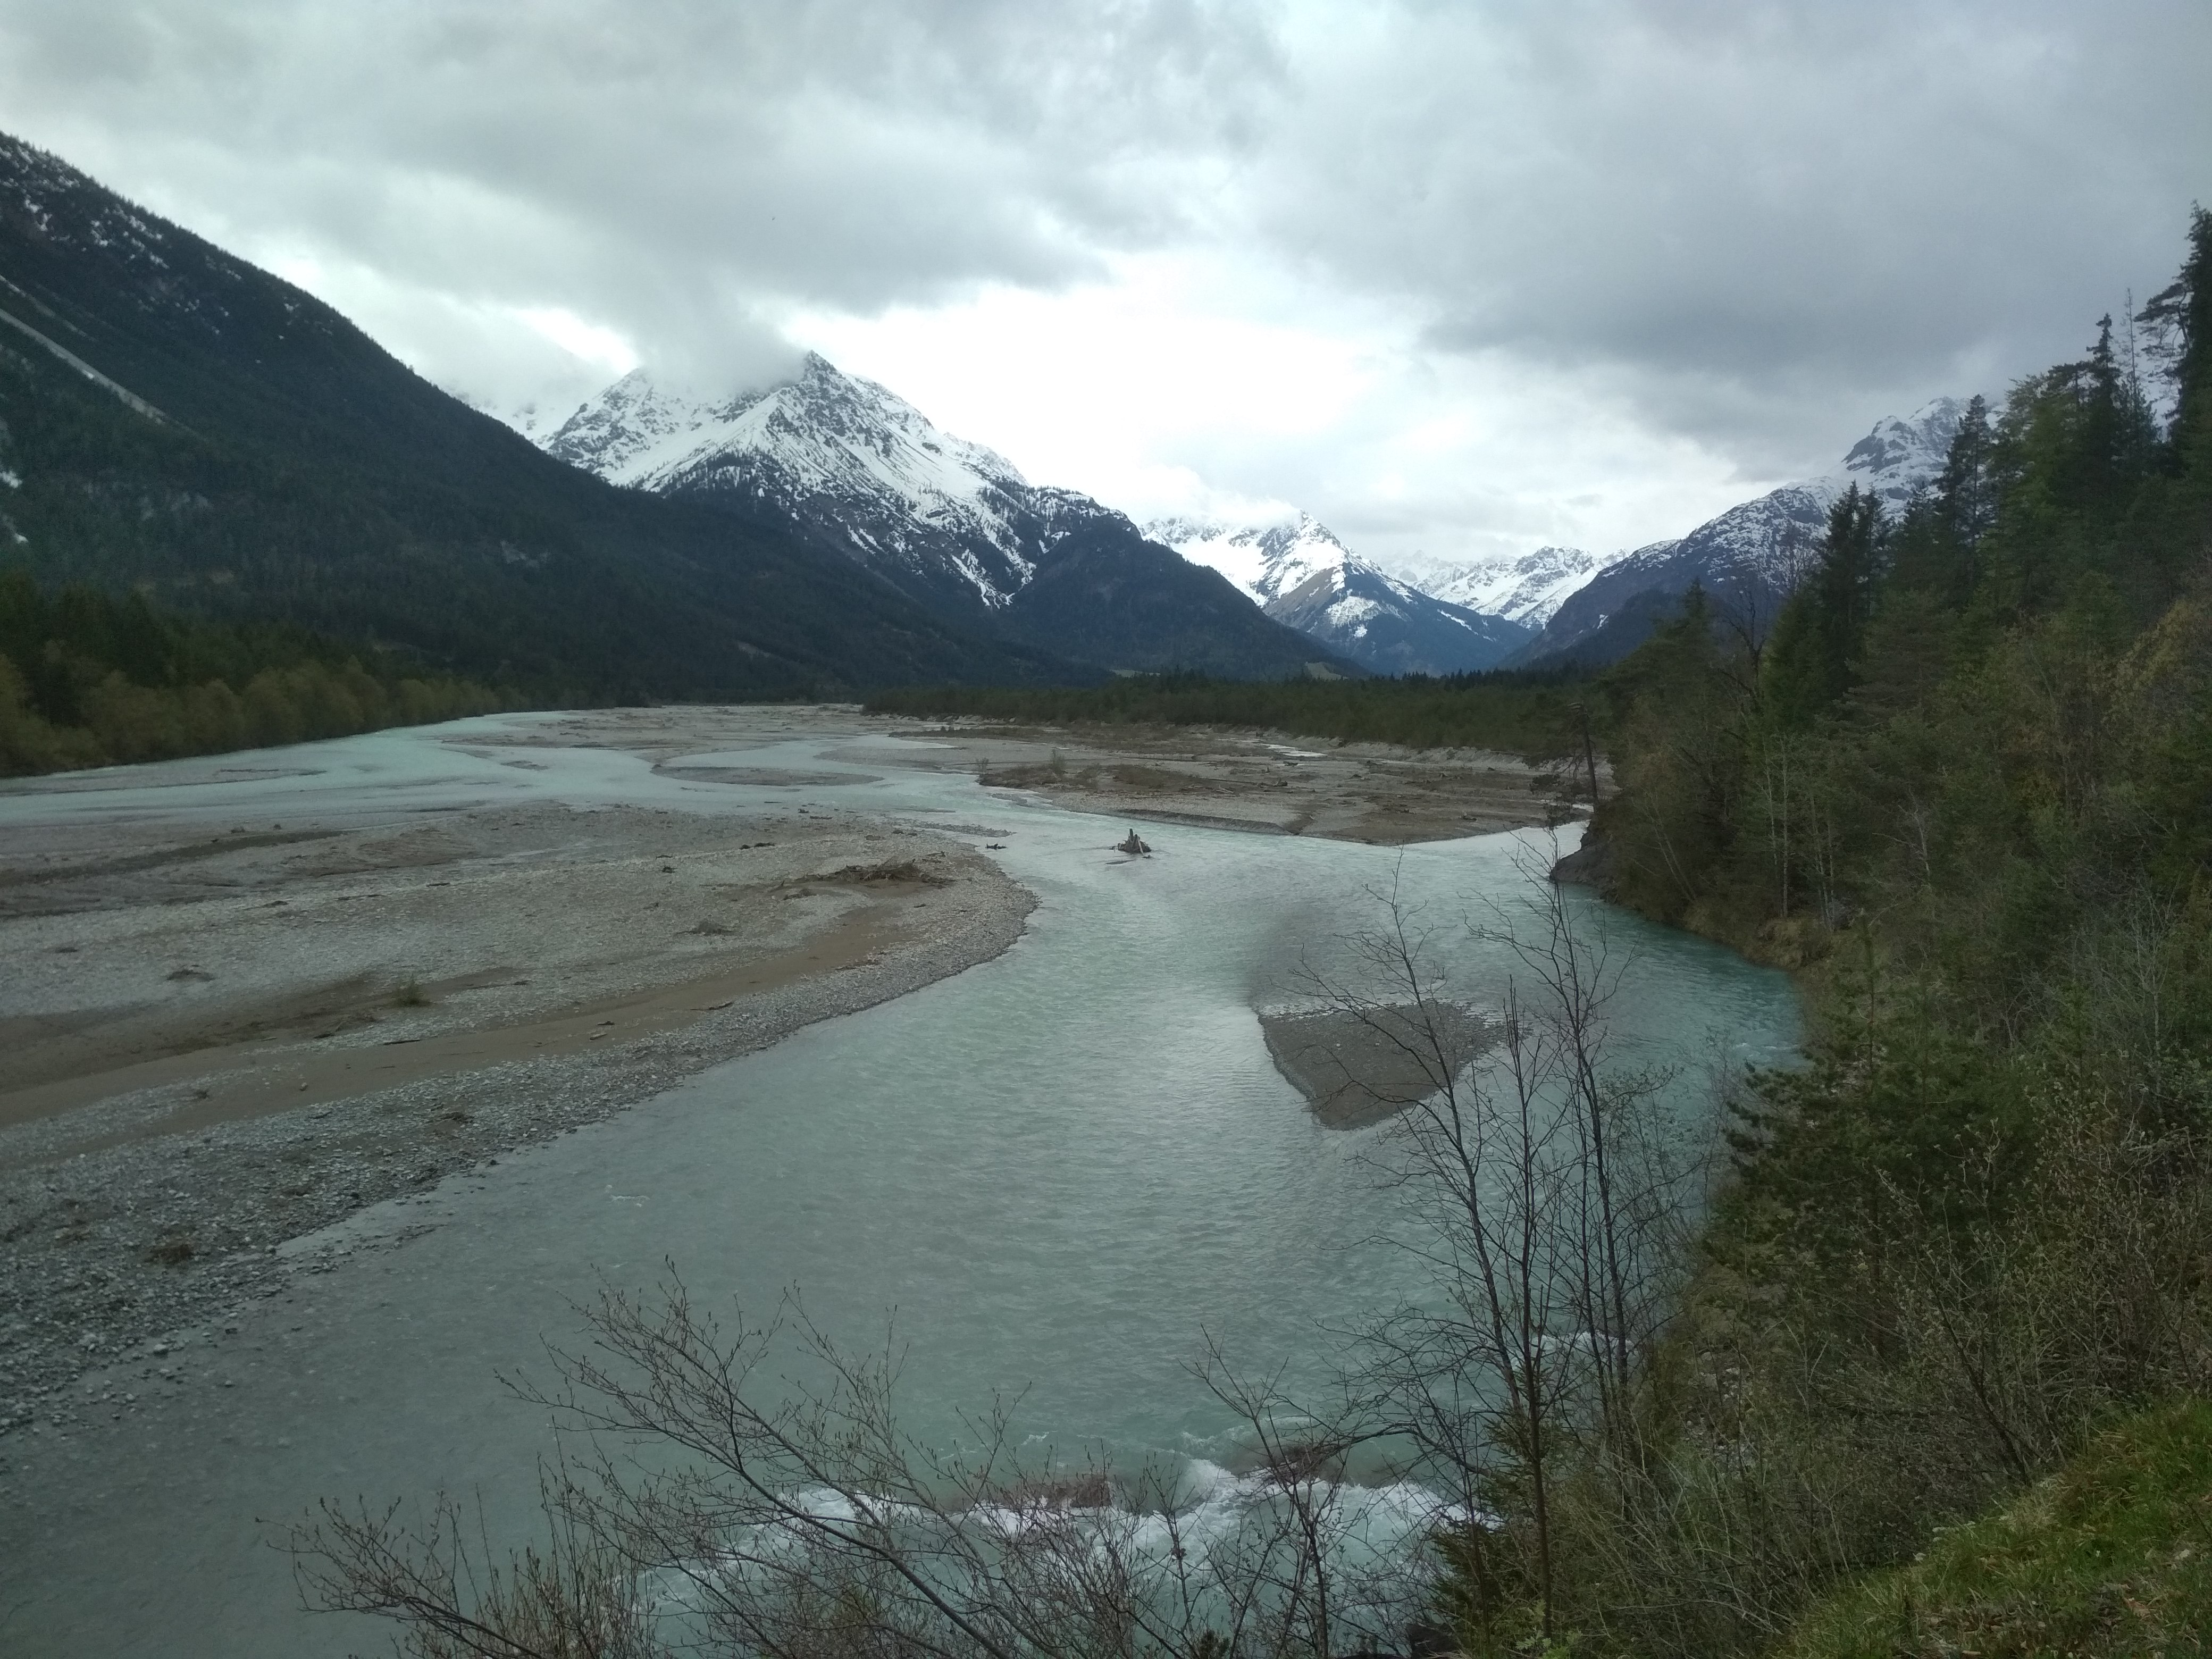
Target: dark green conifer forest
89,679
1966,789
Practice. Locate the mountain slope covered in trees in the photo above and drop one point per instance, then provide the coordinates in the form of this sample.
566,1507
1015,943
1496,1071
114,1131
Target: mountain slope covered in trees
176,419
1965,787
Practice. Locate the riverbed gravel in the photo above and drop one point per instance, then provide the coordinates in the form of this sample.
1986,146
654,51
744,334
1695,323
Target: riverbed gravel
124,1258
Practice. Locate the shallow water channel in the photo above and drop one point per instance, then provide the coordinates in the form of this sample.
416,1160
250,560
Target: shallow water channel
1058,1167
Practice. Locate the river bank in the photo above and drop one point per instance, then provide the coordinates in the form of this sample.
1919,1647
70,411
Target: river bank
224,1036
220,1042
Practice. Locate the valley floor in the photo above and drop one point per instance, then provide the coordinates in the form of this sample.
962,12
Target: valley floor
1261,782
222,1038
217,1043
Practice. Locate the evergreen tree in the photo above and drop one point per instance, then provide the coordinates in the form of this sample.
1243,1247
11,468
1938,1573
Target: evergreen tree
1812,659
2190,302
1965,497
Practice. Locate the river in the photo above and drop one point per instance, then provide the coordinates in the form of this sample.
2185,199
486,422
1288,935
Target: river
1058,1167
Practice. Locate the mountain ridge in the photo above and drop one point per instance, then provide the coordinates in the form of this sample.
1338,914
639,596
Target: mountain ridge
950,523
1302,575
1750,557
302,473
1525,587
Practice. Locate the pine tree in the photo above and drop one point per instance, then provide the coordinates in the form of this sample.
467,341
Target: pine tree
1966,495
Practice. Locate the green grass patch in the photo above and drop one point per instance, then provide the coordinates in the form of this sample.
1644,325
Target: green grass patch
2112,1556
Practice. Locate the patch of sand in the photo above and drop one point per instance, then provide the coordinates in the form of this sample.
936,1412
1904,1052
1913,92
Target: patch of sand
1259,782
274,970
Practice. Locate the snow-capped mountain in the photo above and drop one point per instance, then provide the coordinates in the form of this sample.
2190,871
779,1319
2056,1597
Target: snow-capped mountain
948,516
1751,557
1303,576
1265,561
950,523
1525,587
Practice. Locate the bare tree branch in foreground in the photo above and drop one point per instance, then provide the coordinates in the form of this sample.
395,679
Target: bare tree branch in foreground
722,1509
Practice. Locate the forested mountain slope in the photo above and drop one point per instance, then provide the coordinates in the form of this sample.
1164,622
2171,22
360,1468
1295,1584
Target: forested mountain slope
177,418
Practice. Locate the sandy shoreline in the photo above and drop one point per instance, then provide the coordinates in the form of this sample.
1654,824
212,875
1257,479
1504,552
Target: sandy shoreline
222,1038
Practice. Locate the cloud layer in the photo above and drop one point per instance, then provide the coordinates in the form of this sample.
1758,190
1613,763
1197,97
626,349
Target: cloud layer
1491,273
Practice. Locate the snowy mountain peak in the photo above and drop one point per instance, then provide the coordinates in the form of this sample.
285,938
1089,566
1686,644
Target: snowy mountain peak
1265,561
642,433
824,445
1300,574
1525,588
1900,456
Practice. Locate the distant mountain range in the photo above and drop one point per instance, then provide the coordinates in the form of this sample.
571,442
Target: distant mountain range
174,419
1303,576
1525,588
1559,605
957,527
1751,557
951,524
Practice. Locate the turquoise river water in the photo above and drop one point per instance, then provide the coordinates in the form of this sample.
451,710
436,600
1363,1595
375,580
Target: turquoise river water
1059,1167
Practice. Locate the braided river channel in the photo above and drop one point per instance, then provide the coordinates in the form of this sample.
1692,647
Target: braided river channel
1061,1169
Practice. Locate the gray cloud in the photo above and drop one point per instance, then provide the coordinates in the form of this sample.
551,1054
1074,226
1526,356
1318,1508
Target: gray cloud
1758,212
1763,224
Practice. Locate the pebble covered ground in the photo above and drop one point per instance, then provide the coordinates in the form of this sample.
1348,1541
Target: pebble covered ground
122,1269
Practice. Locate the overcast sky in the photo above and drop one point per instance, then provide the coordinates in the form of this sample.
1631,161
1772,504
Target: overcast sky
1458,278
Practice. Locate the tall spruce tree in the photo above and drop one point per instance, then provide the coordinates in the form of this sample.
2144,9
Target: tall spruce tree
1933,546
2192,433
1813,658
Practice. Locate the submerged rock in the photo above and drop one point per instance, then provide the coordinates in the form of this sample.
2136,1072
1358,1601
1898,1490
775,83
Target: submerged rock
1589,865
1360,1065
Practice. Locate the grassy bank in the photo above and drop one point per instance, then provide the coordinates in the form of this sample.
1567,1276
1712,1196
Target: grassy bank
2112,1555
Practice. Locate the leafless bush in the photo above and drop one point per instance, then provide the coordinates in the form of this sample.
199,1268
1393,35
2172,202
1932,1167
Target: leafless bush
721,1510
1549,1220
